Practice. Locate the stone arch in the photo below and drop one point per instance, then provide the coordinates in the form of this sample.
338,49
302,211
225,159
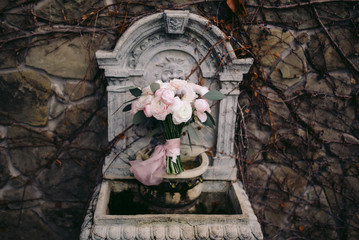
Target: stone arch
192,39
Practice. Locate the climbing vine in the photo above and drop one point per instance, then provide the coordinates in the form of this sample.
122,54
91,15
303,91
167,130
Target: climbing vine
297,118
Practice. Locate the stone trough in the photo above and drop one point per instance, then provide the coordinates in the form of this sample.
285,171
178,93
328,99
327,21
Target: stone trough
168,45
238,222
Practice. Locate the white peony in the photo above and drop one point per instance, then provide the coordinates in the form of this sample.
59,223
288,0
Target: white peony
178,83
181,111
189,95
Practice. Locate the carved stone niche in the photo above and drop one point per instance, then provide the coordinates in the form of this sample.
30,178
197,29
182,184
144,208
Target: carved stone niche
168,45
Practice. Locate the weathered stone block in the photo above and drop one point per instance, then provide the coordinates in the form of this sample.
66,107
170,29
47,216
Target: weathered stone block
12,53
270,42
277,108
322,53
56,107
329,114
24,97
298,18
25,224
68,11
292,181
24,193
65,215
30,151
23,19
78,90
75,116
69,179
289,71
64,58
4,170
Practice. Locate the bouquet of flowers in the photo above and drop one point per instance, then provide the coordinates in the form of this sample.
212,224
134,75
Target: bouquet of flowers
174,104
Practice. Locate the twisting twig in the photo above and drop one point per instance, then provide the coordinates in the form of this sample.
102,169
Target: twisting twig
335,45
299,4
205,57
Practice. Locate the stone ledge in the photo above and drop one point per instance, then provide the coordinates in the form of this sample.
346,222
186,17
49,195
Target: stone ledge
100,225
174,232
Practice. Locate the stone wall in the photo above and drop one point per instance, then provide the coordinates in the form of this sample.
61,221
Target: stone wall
298,126
301,148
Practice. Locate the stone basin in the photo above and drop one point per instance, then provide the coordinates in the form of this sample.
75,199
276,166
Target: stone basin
235,221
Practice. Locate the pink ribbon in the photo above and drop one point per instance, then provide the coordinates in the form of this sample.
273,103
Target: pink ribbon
151,171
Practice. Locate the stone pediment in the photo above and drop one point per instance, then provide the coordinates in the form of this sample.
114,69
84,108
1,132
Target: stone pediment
170,33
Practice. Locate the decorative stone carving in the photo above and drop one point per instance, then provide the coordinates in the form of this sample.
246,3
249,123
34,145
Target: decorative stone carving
176,21
165,46
173,69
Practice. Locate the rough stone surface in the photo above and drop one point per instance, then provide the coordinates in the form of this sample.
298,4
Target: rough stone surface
23,19
56,107
297,18
75,116
78,90
65,215
322,53
12,56
68,58
270,42
24,96
25,192
4,169
68,11
289,71
29,224
30,150
65,182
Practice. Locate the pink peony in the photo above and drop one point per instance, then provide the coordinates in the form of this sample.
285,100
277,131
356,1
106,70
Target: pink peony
159,110
167,96
202,116
134,107
201,105
159,92
199,89
140,103
148,110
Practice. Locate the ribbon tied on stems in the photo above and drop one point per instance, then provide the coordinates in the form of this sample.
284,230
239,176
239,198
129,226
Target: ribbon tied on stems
151,171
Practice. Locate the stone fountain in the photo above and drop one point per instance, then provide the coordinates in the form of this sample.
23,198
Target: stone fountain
168,45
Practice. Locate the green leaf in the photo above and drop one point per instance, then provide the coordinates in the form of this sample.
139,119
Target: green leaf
154,87
136,92
123,110
214,95
209,123
127,108
139,117
189,140
210,118
126,88
192,133
130,100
